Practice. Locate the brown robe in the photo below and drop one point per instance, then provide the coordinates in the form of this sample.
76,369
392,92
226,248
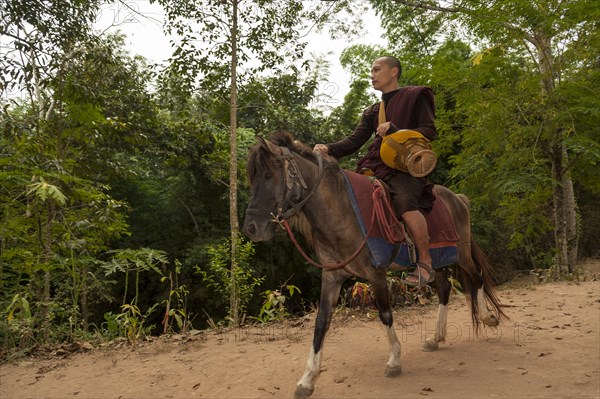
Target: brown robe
411,107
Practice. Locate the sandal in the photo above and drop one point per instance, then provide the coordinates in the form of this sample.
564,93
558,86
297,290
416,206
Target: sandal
414,278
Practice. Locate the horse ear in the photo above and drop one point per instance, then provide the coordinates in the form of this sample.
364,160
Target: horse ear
269,146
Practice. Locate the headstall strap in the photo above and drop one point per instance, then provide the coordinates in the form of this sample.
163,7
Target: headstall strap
294,183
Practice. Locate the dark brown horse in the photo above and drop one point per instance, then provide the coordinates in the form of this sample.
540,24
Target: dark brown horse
290,182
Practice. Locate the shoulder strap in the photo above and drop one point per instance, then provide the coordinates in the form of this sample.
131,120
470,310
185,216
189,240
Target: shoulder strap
381,113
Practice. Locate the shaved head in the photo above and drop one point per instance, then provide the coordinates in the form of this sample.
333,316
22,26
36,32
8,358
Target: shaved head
392,62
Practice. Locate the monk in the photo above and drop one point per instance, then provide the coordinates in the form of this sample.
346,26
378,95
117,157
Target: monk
409,107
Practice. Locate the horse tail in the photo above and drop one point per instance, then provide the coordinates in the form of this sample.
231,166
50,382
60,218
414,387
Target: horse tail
487,275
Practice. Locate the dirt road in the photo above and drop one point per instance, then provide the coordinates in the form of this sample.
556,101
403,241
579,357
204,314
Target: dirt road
550,348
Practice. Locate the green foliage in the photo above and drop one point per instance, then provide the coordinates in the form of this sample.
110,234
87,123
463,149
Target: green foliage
16,326
216,162
274,308
35,28
136,261
219,277
521,91
132,323
110,328
45,191
176,303
265,32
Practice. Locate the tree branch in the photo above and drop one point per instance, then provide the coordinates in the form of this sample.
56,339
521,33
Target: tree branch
425,6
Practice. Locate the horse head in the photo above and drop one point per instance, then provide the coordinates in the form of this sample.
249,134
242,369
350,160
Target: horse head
278,188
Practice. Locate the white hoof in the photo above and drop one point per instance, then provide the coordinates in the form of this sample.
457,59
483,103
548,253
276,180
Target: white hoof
491,321
430,346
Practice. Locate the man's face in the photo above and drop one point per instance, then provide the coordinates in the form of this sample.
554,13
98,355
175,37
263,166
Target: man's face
383,77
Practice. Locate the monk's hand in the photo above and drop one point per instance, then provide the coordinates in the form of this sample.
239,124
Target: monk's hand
322,148
383,128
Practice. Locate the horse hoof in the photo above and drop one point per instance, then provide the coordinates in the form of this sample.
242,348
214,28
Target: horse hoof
303,392
492,321
393,371
429,346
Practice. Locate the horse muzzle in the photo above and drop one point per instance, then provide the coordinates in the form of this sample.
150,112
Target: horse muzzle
258,229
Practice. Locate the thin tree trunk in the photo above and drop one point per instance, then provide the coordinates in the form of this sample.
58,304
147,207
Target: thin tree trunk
168,309
560,230
47,248
84,298
565,210
126,286
570,214
233,212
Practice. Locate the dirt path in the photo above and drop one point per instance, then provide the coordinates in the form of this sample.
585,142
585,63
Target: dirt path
550,348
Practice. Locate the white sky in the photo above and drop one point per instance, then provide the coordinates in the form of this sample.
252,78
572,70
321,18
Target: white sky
146,38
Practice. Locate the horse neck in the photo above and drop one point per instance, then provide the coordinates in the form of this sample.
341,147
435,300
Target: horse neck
328,208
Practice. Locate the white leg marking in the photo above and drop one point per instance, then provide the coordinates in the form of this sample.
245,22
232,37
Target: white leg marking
431,343
394,365
484,314
440,331
313,368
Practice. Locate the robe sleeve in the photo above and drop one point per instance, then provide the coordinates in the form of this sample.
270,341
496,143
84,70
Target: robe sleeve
359,136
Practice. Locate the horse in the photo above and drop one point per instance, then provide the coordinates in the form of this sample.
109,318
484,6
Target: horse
289,181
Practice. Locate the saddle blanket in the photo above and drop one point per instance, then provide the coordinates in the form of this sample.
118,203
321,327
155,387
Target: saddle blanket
443,237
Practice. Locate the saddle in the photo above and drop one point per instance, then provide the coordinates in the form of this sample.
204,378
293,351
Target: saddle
442,232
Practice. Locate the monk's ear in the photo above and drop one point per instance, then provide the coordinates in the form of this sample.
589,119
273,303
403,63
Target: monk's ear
269,146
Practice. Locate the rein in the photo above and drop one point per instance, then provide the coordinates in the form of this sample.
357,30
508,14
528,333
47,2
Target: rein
332,265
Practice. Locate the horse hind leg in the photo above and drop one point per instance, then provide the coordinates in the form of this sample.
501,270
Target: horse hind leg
485,315
478,283
442,287
477,270
486,294
394,365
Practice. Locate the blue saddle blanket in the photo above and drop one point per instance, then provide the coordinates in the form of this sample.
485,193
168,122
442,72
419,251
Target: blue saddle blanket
443,245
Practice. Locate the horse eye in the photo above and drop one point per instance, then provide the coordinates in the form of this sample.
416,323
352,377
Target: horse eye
268,175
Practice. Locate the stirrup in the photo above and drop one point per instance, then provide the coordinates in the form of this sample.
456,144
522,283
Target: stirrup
418,280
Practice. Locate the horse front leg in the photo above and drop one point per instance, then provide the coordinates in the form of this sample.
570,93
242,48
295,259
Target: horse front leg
442,287
331,282
382,296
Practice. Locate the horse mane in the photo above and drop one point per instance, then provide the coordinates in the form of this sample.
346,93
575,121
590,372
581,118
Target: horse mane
285,139
258,158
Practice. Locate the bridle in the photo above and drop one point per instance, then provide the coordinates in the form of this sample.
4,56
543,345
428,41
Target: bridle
294,183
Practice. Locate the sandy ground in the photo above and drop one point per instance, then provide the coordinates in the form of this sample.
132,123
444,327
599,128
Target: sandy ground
550,348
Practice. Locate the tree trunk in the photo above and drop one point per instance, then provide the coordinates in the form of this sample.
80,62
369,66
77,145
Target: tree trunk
560,228
571,214
84,298
233,211
565,210
47,251
565,207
